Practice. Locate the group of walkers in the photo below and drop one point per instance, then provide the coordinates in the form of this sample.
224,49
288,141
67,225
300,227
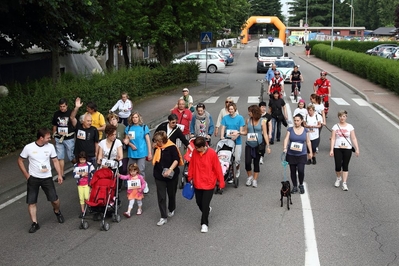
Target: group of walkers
92,141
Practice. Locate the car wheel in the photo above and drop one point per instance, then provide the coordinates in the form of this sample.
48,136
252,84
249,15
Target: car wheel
212,69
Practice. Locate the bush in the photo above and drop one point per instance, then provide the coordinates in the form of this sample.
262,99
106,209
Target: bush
31,106
355,46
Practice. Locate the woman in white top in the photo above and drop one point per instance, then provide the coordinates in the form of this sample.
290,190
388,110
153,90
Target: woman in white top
223,113
124,107
343,140
312,121
107,157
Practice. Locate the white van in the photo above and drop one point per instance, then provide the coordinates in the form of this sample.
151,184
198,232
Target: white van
267,52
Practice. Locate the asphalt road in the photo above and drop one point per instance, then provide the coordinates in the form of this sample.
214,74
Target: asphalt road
325,226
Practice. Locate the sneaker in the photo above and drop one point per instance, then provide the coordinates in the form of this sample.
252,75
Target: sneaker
34,227
60,217
344,187
254,183
271,142
126,214
139,211
261,160
170,214
301,189
230,181
204,228
210,209
238,173
162,221
146,189
338,182
308,162
278,140
249,181
294,190
314,160
317,149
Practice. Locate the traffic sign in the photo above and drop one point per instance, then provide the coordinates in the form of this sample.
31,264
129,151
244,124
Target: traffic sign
206,37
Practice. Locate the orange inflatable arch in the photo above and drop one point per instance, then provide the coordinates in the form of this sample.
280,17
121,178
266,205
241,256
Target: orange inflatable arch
262,19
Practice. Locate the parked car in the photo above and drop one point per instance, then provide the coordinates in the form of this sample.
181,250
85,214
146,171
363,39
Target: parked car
214,63
285,66
386,51
217,52
394,54
375,50
226,51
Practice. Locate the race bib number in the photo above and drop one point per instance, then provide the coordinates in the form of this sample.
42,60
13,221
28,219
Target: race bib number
62,130
252,137
132,134
296,146
43,168
133,184
109,163
230,132
181,127
343,145
81,135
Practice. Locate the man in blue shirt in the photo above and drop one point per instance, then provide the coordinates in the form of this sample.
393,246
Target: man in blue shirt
270,72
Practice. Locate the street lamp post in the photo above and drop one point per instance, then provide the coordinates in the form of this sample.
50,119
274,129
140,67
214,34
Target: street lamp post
352,17
306,17
332,24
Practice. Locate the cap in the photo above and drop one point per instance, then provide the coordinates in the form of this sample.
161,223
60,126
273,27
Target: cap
302,101
185,89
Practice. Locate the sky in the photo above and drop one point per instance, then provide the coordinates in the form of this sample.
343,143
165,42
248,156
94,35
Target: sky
285,7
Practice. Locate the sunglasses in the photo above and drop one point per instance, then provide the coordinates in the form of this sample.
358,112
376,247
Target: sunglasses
228,102
200,105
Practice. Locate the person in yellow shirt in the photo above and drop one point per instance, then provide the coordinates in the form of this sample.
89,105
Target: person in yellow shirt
98,120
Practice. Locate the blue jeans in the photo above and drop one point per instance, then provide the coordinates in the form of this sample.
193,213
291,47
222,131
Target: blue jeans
276,124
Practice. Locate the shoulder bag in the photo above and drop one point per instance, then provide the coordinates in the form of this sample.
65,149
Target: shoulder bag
262,146
353,148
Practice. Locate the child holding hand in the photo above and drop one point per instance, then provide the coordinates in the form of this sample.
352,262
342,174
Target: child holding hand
135,188
82,172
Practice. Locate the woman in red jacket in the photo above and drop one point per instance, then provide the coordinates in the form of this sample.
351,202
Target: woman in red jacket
204,170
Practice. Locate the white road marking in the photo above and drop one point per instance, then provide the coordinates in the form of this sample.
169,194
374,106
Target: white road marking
360,102
253,99
212,100
292,99
5,204
235,98
340,101
311,251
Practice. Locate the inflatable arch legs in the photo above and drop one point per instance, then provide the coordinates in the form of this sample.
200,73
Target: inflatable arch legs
263,19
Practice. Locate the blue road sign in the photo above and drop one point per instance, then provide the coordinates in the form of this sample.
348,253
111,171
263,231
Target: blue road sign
206,37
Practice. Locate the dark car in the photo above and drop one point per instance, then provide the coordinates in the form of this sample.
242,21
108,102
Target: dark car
376,50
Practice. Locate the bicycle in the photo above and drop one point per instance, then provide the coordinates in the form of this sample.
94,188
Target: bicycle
296,91
262,88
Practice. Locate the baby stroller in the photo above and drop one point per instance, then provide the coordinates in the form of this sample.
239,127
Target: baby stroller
103,198
225,151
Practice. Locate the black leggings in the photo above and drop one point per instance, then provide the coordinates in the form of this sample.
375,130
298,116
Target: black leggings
301,173
342,158
249,158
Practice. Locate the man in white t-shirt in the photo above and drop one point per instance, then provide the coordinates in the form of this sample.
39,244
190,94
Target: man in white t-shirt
39,175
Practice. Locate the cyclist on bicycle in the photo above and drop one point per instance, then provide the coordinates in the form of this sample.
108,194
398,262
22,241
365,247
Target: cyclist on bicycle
270,73
296,79
322,87
276,84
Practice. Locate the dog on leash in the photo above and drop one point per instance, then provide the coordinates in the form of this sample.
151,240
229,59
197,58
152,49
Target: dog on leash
286,192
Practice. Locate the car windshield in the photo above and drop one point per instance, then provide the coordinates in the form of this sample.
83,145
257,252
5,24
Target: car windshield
271,51
285,64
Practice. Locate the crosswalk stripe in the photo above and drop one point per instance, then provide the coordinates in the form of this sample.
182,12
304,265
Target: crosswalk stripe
212,99
340,101
253,99
235,98
360,102
292,99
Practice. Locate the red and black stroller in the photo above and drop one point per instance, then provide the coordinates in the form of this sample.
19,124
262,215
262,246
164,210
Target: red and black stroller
103,198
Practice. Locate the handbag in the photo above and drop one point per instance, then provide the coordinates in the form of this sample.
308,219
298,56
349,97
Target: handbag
188,191
353,148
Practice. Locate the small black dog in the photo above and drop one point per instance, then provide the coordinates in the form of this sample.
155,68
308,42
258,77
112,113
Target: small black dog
286,192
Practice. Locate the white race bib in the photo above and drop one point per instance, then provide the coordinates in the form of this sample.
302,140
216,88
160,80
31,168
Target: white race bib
252,137
81,134
229,132
132,184
296,146
62,131
181,127
109,163
132,134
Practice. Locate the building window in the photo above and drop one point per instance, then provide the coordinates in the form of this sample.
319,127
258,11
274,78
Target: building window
146,52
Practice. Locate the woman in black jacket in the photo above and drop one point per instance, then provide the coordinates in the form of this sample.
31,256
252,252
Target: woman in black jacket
173,132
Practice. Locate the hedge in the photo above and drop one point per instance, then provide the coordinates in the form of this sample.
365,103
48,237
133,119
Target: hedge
31,106
374,68
355,46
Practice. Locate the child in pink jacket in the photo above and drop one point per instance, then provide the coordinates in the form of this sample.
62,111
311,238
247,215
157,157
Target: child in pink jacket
135,188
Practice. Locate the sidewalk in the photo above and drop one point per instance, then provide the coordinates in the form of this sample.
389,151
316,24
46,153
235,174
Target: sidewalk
154,110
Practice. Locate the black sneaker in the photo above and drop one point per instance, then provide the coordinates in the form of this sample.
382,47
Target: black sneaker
81,215
60,217
34,227
294,190
314,160
301,189
278,140
308,162
271,142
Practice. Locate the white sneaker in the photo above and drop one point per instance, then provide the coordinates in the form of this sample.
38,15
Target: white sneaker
238,173
162,221
146,189
255,183
344,187
210,209
170,214
261,160
337,182
204,228
249,181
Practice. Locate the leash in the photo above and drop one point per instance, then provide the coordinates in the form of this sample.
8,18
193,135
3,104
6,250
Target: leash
284,163
328,128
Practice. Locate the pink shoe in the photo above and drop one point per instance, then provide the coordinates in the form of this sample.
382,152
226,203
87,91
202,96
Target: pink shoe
139,211
126,214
